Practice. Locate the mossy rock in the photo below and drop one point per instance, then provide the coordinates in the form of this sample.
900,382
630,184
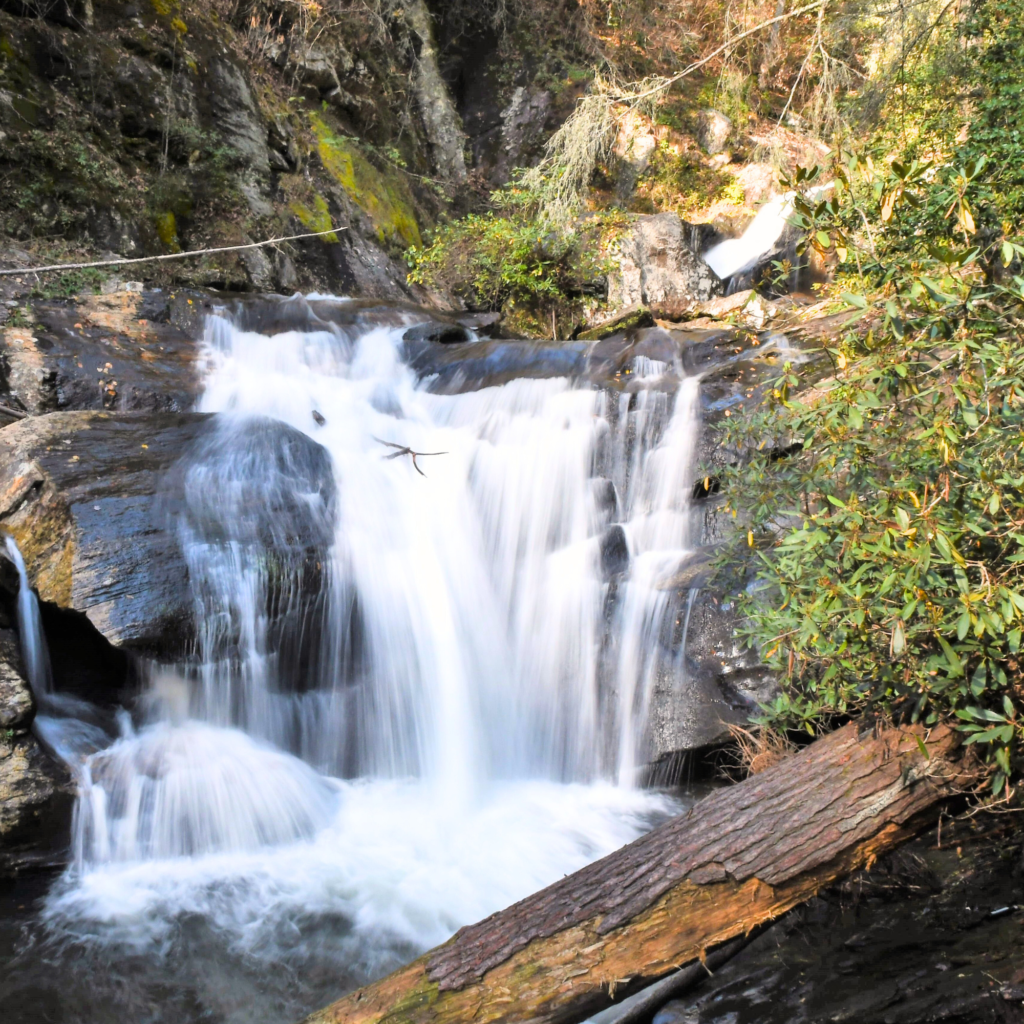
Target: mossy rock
638,316
381,194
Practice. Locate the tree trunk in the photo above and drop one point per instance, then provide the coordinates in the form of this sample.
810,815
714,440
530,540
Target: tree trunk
740,857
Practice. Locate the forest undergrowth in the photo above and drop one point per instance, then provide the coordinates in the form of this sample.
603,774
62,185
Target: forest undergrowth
889,542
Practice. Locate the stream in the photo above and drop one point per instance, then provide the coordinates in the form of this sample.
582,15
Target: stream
441,709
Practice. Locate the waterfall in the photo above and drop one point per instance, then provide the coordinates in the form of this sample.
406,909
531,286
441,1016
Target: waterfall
419,692
467,610
30,626
738,255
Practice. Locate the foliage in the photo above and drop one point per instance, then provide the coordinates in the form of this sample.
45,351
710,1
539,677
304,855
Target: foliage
503,259
682,182
890,539
87,281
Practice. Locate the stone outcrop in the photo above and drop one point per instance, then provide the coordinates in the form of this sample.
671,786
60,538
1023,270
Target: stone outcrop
713,131
36,791
79,492
36,797
124,350
93,501
175,127
522,126
436,108
657,267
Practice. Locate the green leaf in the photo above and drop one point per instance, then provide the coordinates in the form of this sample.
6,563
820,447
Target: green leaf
951,656
963,625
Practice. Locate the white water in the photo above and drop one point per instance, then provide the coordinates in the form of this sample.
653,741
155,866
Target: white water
30,627
737,255
473,722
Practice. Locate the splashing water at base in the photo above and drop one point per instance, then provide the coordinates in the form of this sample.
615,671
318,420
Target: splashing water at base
486,637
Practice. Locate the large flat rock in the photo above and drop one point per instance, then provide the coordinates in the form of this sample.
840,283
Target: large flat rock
94,498
80,491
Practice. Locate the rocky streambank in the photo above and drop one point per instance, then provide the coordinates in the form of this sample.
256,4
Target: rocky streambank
92,490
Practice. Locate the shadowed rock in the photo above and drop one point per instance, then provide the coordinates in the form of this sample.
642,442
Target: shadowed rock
91,502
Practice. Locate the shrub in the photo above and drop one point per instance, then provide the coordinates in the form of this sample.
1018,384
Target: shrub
890,540
504,259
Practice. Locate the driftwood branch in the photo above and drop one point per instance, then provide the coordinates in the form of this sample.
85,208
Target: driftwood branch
739,858
406,450
167,256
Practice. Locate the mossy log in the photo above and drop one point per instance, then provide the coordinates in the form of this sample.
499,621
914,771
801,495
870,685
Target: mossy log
738,858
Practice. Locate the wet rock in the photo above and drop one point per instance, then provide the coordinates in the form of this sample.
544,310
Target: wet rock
614,548
36,800
94,506
16,704
112,351
656,266
36,791
606,499
608,357
439,333
79,492
486,325
713,131
479,364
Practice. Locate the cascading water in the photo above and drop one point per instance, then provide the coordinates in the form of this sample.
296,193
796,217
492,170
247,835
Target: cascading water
732,258
30,626
416,697
735,256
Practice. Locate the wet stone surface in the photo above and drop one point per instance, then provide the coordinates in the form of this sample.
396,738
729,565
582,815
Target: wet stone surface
930,934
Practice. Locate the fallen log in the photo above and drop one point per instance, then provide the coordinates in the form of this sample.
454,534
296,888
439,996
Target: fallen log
736,859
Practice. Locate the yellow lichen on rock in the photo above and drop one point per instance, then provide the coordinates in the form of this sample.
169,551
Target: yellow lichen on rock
382,195
317,218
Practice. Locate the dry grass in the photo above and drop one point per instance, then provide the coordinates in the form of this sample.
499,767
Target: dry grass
758,749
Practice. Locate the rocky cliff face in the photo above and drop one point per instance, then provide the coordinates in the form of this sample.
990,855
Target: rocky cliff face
149,127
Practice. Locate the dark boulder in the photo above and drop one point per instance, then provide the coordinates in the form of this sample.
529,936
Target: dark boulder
95,501
36,791
125,350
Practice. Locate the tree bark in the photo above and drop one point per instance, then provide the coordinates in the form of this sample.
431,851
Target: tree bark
738,858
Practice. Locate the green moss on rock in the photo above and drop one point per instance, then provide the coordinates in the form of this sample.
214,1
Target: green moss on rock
167,229
381,194
316,218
